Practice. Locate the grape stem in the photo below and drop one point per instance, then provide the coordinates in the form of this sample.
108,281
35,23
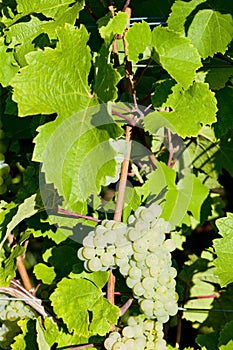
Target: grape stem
80,216
124,167
126,306
20,264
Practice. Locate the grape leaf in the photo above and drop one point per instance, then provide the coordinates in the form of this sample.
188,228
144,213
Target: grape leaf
44,273
40,88
49,332
86,158
225,337
190,109
26,339
176,54
180,10
49,8
83,296
227,346
208,341
24,210
110,26
105,89
8,67
179,198
225,105
138,38
211,32
222,246
21,35
69,15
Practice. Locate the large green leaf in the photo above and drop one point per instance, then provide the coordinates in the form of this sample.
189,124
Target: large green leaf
176,54
49,8
138,39
21,35
74,300
223,249
69,15
180,11
86,158
190,109
211,32
56,80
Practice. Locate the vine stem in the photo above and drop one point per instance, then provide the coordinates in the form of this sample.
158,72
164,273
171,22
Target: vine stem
80,216
21,267
119,206
124,167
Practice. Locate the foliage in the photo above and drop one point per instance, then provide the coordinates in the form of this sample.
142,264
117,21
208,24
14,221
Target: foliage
86,87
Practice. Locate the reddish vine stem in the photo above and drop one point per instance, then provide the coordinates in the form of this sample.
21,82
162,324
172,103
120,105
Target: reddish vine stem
75,215
21,267
124,169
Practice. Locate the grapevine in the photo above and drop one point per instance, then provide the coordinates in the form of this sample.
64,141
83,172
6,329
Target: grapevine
5,177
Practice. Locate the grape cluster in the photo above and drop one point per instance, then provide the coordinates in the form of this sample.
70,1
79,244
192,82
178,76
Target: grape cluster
140,333
142,253
5,178
149,272
12,310
106,246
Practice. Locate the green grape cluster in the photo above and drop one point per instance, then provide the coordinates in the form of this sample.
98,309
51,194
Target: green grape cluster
140,333
106,246
143,255
12,310
150,273
5,178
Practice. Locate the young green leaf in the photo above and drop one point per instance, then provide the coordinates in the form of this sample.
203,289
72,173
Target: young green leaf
177,55
211,32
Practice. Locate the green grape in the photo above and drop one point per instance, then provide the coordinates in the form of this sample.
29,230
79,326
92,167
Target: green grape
107,259
131,282
94,264
88,241
148,283
129,331
169,244
151,260
133,234
88,252
119,346
80,254
140,245
138,289
3,189
134,272
99,241
147,307
130,344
